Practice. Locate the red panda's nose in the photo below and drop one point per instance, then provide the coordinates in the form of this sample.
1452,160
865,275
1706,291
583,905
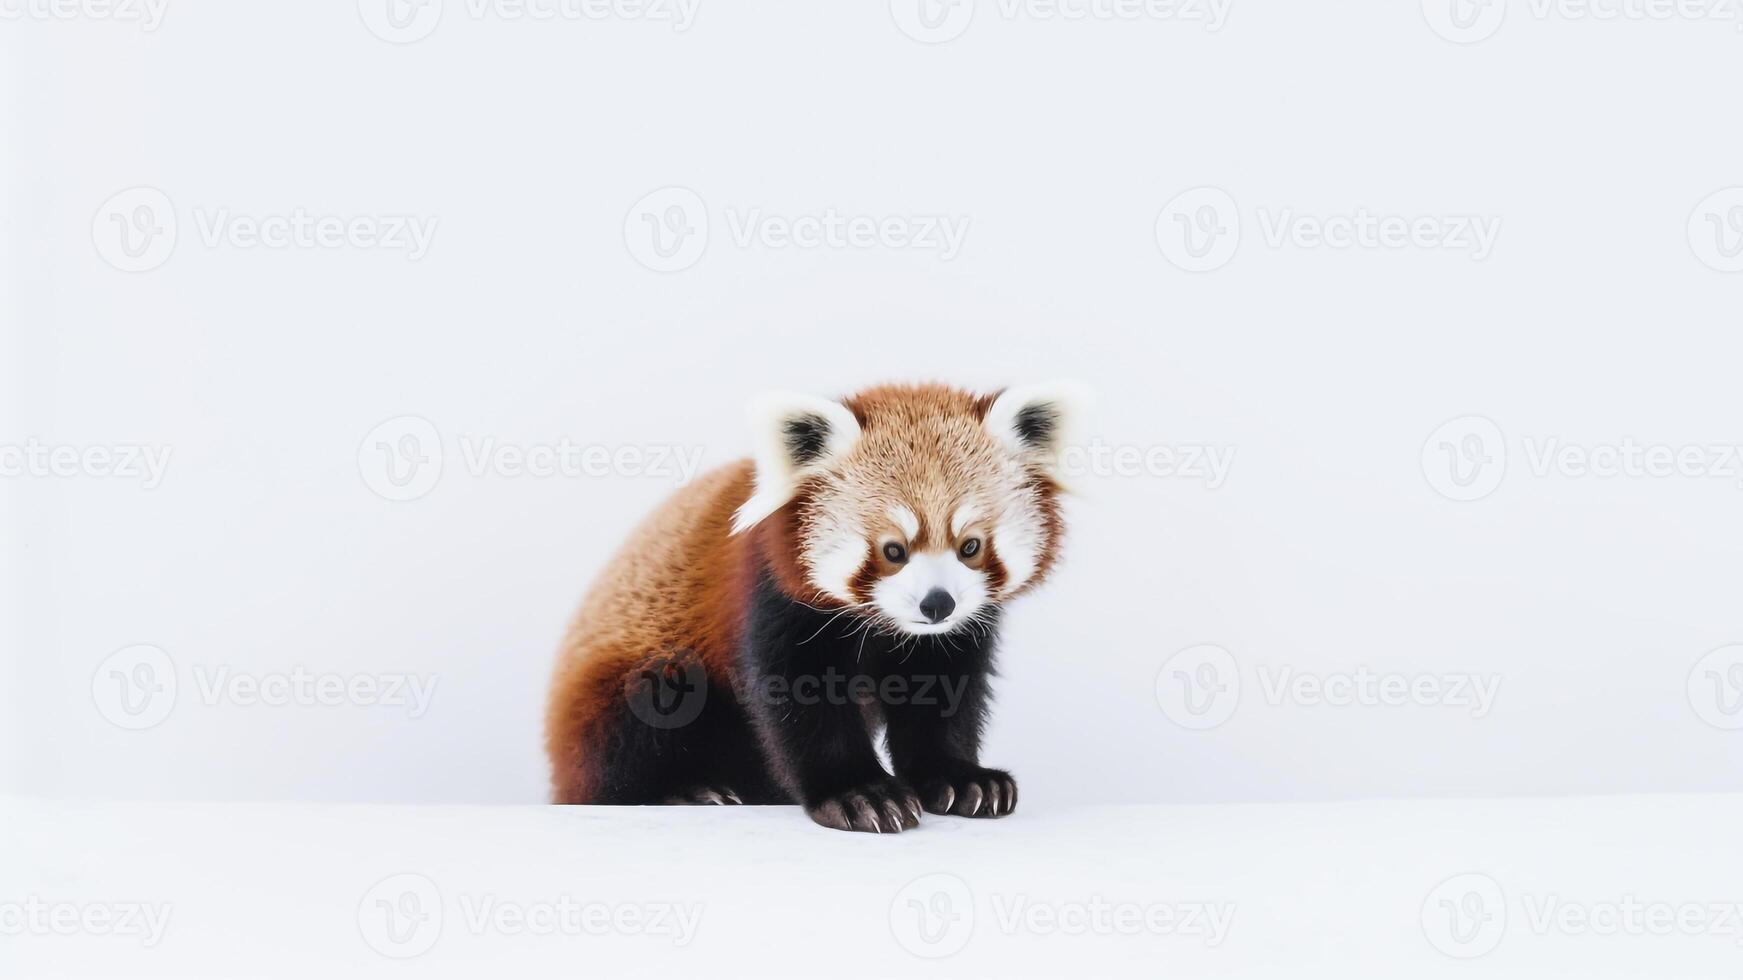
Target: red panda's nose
937,605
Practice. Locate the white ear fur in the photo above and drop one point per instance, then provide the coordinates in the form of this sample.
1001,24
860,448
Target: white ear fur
796,435
1040,422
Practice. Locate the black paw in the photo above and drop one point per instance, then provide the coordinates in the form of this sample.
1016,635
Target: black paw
705,796
973,792
883,807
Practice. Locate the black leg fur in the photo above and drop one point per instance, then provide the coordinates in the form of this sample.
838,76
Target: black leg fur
712,757
814,684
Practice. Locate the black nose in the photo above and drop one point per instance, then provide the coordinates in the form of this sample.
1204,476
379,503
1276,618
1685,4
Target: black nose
937,605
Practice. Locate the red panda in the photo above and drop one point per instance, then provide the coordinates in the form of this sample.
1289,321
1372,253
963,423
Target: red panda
758,629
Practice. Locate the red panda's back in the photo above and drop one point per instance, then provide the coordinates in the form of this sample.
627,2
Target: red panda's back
677,586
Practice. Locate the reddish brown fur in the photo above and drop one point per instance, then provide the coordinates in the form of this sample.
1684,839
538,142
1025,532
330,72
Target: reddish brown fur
681,581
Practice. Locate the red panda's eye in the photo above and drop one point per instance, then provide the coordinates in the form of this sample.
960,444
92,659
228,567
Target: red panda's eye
895,553
970,548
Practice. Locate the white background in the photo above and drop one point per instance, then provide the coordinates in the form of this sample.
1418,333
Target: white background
1598,317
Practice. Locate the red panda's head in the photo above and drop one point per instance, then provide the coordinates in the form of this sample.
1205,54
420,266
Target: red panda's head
919,505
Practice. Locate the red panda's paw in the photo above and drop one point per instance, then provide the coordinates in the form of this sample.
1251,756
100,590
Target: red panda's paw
882,807
974,792
706,796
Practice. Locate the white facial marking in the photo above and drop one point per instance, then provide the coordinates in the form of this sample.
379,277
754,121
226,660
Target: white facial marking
898,596
1018,544
965,515
904,518
835,556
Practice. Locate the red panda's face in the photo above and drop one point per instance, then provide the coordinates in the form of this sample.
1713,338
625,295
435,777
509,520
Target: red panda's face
919,506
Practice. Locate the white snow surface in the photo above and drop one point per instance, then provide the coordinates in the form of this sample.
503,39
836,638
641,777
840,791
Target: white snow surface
1624,886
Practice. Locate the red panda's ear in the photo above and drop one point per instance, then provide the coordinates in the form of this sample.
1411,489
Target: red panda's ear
796,435
1039,423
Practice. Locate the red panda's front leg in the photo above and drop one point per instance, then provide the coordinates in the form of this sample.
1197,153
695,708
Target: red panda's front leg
814,732
934,737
